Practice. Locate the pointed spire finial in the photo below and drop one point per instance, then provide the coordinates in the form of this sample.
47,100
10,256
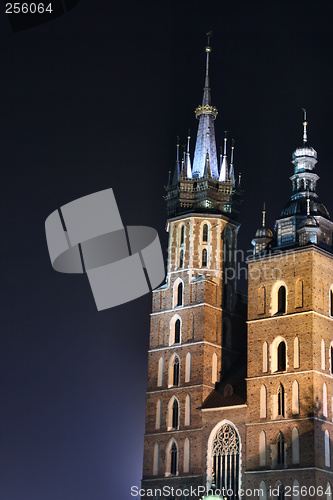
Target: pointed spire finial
208,50
239,179
307,202
305,136
264,215
232,151
225,143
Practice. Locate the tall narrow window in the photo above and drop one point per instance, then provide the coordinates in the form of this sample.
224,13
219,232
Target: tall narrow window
262,449
324,400
204,258
226,464
187,455
282,299
280,449
296,352
173,453
295,445
160,372
175,414
327,449
331,302
295,398
177,331
205,233
187,409
322,345
158,414
263,402
328,491
281,401
331,358
280,492
281,353
214,368
181,258
176,371
180,294
182,232
262,491
265,357
188,361
156,462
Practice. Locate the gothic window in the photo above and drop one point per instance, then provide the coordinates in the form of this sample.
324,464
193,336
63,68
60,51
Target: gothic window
328,491
180,294
187,456
160,372
204,258
262,449
176,371
205,233
280,448
226,463
182,232
156,462
188,361
181,258
214,368
282,300
281,401
296,352
295,398
322,354
331,359
281,356
187,409
263,402
280,492
158,414
173,453
262,491
331,302
177,331
324,400
173,414
265,357
295,445
327,449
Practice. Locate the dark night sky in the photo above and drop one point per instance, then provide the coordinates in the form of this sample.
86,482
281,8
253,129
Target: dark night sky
95,99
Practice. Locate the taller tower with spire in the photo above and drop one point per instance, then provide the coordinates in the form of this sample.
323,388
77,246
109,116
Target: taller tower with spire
198,318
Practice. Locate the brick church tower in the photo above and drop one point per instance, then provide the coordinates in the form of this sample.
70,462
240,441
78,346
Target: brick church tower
251,416
197,323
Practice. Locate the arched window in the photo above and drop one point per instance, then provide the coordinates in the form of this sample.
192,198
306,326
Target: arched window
160,372
280,492
296,490
171,458
328,491
324,400
262,491
262,449
296,352
188,409
187,455
331,358
295,398
188,362
327,449
182,233
280,448
295,445
214,368
158,414
173,414
177,331
181,258
265,357
281,357
156,463
205,233
226,466
282,300
204,258
173,379
180,294
322,346
263,402
281,401
331,302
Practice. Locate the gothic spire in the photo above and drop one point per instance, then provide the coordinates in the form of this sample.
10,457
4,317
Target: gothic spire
188,169
176,174
231,170
206,115
224,164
